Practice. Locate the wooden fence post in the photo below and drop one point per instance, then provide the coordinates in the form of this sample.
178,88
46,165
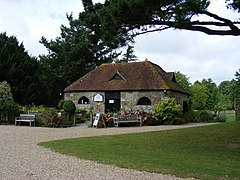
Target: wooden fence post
237,109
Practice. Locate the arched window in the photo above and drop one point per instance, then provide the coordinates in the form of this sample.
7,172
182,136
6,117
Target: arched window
144,101
83,100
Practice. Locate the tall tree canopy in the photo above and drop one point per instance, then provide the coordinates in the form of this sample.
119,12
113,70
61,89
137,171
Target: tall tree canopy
71,55
237,87
119,21
19,70
183,80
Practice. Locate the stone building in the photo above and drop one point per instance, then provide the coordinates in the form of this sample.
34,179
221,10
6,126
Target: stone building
125,87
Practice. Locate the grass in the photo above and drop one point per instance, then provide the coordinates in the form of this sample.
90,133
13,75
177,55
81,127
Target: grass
230,115
211,152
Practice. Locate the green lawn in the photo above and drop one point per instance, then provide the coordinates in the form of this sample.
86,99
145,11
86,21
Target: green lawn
230,115
211,152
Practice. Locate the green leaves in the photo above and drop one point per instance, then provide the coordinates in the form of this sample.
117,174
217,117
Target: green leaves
117,22
167,111
19,70
69,106
6,99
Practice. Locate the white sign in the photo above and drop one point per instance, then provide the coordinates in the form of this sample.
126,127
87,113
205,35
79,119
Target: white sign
98,98
111,101
96,119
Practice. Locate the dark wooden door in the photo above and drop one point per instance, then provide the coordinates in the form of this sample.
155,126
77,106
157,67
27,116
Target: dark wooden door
112,101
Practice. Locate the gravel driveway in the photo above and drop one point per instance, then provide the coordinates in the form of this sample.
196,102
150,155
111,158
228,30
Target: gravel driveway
22,159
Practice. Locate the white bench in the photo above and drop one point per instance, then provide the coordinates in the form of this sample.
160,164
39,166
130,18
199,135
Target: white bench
127,119
25,118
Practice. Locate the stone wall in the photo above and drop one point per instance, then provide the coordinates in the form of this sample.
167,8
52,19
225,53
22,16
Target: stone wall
92,106
237,109
129,100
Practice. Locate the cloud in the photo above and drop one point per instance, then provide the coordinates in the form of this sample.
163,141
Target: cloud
30,20
195,54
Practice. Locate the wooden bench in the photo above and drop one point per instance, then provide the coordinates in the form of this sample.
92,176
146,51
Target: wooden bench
127,119
25,118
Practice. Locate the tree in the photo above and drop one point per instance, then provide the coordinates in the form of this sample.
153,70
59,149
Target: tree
183,80
6,99
128,56
237,86
212,92
198,96
227,89
76,52
19,70
119,21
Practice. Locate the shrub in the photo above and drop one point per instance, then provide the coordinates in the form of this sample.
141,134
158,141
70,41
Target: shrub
191,117
6,100
60,104
69,107
33,108
109,123
167,111
221,117
49,118
205,116
151,121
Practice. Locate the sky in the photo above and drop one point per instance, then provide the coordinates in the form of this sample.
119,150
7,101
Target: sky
194,54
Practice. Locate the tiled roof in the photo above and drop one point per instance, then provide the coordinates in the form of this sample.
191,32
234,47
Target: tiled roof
126,77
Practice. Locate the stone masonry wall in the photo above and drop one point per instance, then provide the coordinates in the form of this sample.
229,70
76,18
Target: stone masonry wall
129,100
92,106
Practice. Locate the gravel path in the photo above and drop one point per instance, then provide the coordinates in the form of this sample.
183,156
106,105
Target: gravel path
22,159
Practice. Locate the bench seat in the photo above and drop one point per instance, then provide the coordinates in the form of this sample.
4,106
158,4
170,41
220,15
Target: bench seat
127,119
25,118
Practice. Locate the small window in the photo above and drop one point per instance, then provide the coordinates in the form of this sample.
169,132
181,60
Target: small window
144,101
83,100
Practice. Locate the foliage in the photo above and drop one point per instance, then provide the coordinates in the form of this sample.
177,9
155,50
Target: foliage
233,4
183,80
198,96
50,118
191,117
204,116
237,86
211,91
7,105
167,111
69,107
19,70
33,108
151,121
118,22
210,152
229,91
61,103
128,56
6,99
109,121
74,53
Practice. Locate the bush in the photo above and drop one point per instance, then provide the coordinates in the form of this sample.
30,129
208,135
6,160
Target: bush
33,108
167,111
191,117
49,118
205,116
221,117
151,121
60,104
109,123
69,107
